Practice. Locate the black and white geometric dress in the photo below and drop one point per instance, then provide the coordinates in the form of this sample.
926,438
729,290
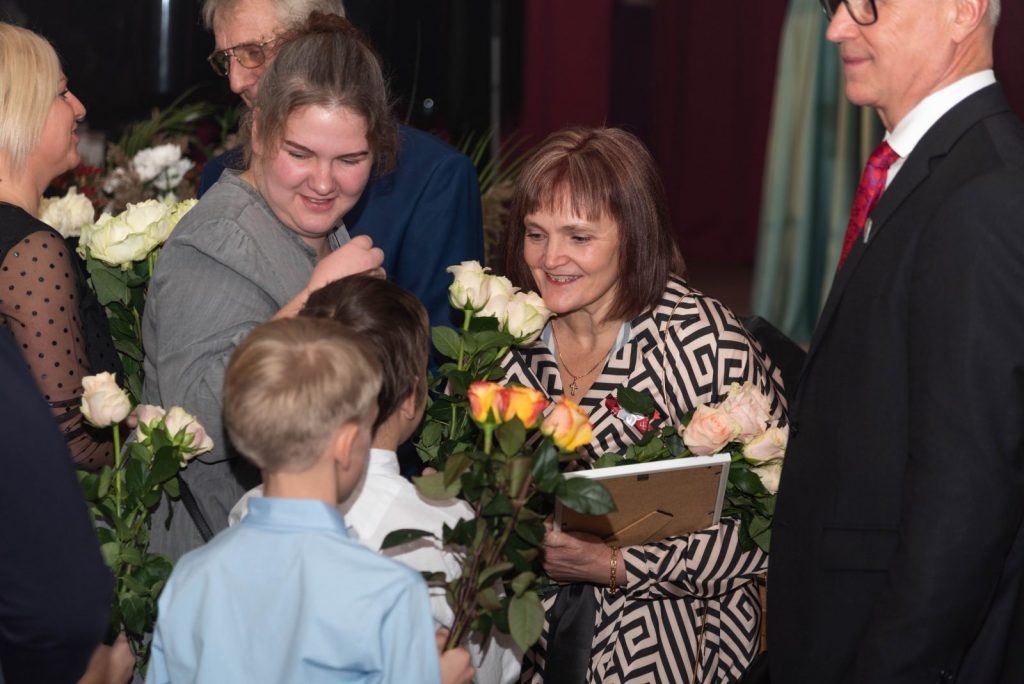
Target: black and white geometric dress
691,611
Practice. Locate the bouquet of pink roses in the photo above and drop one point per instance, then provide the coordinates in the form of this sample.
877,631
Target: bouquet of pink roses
741,426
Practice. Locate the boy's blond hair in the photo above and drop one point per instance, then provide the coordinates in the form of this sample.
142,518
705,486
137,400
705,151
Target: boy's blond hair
291,384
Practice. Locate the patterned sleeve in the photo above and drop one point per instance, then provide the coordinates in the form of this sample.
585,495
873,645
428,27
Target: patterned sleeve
39,303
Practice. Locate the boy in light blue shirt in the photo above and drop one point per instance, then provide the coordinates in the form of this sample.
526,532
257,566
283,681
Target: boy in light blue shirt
287,595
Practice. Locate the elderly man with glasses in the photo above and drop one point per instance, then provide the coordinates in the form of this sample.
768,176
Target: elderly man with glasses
898,545
425,214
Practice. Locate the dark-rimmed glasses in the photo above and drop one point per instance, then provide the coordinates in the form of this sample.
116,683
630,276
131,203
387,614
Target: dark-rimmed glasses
249,55
862,12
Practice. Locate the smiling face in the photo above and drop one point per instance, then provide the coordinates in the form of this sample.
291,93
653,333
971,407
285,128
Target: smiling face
574,261
316,173
246,22
893,64
57,149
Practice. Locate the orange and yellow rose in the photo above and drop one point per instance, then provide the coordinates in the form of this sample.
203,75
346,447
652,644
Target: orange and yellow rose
567,425
486,402
523,403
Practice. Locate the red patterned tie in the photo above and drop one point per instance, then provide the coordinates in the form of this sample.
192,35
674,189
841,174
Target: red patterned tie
872,184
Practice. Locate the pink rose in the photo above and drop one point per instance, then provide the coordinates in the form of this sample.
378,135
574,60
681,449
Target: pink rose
186,431
710,429
749,408
768,446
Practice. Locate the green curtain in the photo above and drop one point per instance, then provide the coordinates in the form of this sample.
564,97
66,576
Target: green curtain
817,146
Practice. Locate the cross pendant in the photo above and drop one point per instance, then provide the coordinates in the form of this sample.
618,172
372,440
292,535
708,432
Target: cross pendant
573,387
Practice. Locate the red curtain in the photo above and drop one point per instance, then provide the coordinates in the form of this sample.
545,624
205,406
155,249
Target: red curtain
700,80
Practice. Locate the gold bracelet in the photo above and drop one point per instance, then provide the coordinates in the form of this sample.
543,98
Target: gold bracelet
612,584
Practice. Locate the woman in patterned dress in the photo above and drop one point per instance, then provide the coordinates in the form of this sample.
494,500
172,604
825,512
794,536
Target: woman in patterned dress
589,231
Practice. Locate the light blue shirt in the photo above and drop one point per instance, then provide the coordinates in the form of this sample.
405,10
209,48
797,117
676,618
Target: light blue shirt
288,596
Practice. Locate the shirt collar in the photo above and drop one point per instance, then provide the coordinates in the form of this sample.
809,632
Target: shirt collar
547,337
921,118
272,511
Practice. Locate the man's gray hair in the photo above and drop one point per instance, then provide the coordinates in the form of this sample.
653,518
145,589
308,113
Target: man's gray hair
290,12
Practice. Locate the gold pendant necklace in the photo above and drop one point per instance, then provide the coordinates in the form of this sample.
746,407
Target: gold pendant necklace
573,387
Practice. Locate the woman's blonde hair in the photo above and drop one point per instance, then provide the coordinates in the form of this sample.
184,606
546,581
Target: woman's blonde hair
29,76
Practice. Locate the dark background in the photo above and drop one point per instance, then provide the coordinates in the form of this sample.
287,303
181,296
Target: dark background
694,79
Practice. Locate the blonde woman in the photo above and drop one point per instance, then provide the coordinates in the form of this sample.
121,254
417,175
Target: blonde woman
44,300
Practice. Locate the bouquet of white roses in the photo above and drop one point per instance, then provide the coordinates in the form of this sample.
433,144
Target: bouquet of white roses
120,254
740,425
122,498
493,447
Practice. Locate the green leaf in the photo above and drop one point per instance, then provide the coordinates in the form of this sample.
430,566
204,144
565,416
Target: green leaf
110,551
488,575
511,436
635,402
456,465
531,531
488,599
585,496
546,475
432,487
172,488
522,582
404,536
608,460
499,505
446,341
109,282
519,469
105,478
166,464
138,614
745,481
525,619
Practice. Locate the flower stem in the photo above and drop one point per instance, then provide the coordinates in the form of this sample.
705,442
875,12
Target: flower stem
118,472
466,318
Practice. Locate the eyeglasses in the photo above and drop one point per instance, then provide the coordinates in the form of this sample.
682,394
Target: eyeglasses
249,55
862,12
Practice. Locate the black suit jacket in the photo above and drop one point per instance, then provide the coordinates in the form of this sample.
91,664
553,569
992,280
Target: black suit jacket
898,550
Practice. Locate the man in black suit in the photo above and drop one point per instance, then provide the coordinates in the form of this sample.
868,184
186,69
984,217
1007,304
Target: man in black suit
898,546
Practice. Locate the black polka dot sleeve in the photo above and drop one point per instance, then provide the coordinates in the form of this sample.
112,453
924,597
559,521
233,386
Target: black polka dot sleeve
39,303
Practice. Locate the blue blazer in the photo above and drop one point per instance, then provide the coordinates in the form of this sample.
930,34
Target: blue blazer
425,215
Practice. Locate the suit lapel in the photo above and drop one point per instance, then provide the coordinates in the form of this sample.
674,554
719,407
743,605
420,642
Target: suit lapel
928,152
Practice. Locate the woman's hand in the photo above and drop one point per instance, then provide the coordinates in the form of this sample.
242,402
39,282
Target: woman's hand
358,255
456,667
578,557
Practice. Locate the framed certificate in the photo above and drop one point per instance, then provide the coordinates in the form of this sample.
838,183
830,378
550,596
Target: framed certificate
654,500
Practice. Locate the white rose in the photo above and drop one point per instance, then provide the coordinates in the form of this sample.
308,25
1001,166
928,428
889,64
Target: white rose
496,307
67,214
748,407
770,474
526,316
114,242
770,445
169,178
103,402
125,238
160,230
153,161
500,285
470,288
185,430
